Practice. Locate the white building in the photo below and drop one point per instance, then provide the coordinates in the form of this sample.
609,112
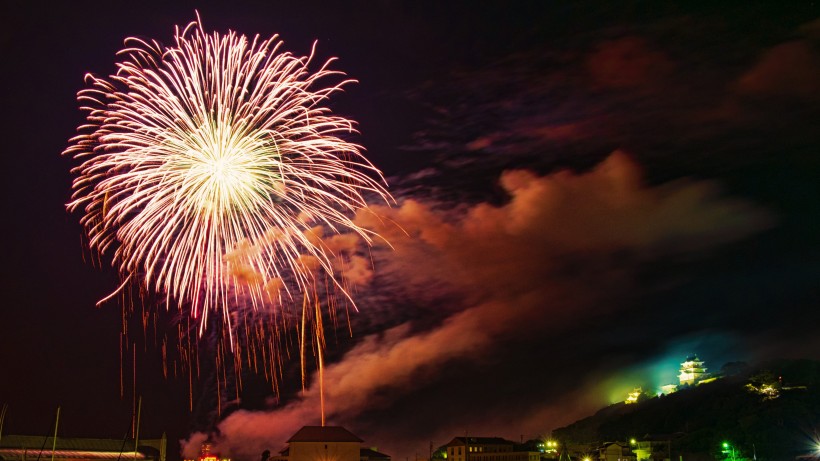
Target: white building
327,443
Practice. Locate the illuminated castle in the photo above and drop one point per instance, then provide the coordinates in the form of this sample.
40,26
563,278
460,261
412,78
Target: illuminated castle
692,371
634,396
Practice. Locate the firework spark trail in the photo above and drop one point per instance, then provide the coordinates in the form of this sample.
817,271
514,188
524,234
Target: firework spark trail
216,145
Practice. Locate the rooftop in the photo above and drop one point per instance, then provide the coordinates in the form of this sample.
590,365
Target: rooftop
370,453
23,446
35,442
460,441
323,434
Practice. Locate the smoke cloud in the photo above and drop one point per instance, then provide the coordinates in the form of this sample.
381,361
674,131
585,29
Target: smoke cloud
558,251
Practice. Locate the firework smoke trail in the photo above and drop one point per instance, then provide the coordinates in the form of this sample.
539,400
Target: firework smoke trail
210,169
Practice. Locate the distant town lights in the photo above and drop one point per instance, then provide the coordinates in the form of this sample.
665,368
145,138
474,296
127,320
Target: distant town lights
548,446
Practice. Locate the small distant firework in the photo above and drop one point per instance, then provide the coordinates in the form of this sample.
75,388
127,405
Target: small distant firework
211,168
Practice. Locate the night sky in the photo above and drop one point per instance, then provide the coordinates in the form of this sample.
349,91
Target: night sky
589,194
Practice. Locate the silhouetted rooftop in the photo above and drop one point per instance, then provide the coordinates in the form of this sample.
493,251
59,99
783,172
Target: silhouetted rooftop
323,434
367,453
460,441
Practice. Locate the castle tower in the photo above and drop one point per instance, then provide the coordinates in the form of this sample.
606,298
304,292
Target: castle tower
691,371
634,396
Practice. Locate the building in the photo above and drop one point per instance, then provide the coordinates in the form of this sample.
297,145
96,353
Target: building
692,371
634,396
32,447
615,451
653,448
487,449
327,443
570,451
667,389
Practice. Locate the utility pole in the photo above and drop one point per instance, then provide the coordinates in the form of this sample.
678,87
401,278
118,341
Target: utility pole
2,418
54,440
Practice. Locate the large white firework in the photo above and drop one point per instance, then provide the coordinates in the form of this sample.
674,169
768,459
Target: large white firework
208,167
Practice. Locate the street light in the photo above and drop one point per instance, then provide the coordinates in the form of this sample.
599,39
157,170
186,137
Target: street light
729,449
550,446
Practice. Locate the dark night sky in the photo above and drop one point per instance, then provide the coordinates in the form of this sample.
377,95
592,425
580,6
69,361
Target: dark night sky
593,192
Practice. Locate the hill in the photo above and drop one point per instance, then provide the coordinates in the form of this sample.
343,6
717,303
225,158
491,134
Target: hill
771,412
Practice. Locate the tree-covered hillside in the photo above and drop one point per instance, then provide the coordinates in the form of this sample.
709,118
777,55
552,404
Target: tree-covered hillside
771,412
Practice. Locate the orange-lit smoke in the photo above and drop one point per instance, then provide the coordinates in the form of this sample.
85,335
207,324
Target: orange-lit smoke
548,258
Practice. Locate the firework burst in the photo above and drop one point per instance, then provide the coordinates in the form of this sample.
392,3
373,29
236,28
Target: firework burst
210,170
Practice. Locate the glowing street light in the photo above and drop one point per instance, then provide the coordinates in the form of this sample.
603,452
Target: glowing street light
548,446
729,450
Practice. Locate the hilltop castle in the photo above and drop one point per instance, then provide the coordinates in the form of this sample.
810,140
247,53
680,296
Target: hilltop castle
692,371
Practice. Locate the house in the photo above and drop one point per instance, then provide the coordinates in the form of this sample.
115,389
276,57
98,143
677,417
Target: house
327,443
615,451
487,449
653,448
